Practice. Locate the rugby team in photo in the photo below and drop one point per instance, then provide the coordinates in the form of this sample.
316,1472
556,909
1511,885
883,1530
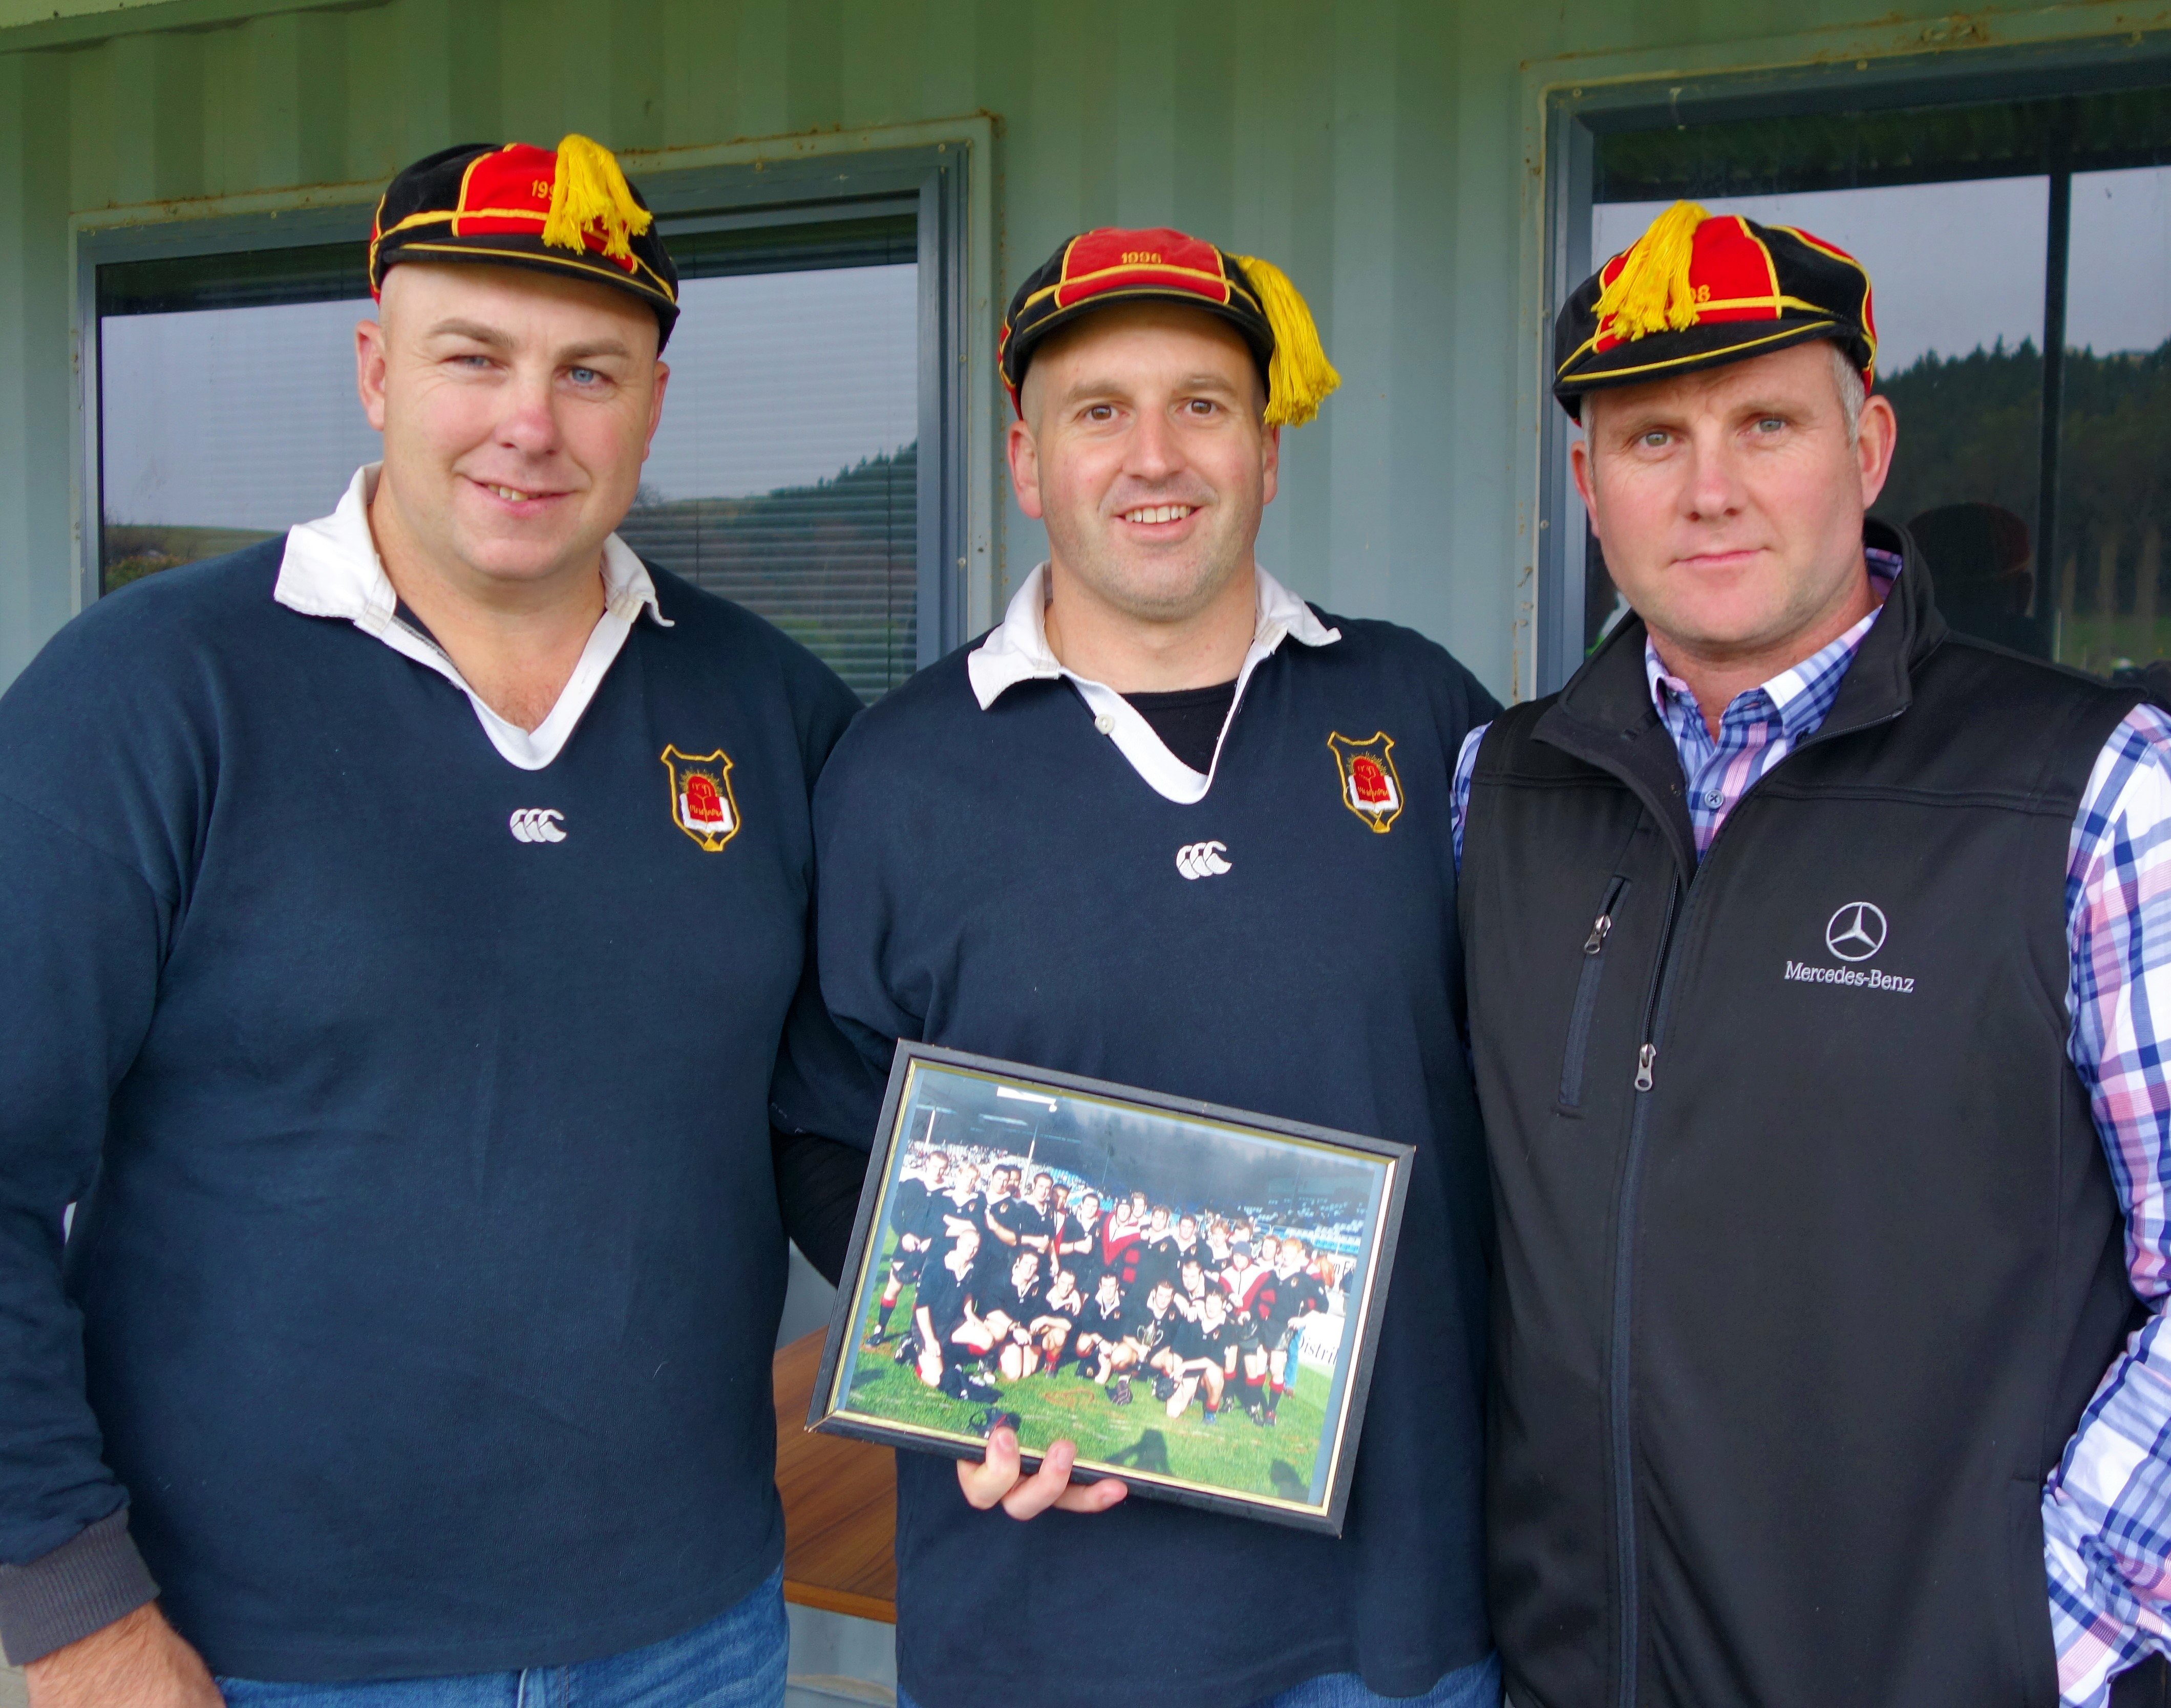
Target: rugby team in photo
1012,1274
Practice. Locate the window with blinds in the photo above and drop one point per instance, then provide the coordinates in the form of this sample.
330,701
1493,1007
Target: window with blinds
227,407
784,475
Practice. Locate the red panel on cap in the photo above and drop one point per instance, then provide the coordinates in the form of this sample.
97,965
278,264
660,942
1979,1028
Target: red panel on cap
1157,259
1729,269
510,191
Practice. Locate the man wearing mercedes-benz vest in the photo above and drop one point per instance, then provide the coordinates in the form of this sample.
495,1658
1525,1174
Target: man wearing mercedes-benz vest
1815,955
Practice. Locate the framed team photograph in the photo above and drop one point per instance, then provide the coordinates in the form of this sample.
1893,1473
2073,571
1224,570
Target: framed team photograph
1191,1294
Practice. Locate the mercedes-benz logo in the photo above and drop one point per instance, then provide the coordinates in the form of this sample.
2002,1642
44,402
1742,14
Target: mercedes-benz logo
1856,931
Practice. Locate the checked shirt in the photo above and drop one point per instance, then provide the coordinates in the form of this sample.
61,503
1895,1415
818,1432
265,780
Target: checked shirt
2107,1508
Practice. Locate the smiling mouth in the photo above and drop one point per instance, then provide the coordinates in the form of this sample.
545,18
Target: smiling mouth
512,495
1153,513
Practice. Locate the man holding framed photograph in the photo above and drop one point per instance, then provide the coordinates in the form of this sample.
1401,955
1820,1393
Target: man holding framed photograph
1155,829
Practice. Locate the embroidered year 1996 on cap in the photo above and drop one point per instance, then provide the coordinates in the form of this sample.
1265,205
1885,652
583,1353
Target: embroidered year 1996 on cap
567,210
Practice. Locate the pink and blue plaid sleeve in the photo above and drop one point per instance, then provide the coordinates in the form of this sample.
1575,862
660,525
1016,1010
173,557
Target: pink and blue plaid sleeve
2107,1508
1465,764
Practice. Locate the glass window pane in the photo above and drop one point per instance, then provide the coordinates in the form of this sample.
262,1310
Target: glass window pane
2114,439
785,473
221,426
1754,146
2048,541
308,273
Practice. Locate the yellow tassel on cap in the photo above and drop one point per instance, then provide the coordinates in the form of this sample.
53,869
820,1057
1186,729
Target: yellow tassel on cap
588,191
1652,292
1300,376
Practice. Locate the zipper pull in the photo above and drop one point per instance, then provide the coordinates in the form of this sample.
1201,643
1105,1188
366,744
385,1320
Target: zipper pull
1644,1057
1596,940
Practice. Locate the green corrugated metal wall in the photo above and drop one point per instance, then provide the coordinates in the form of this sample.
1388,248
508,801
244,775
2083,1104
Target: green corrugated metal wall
1374,149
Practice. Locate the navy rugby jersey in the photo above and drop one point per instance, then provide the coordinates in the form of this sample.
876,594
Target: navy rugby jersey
421,1294
1006,880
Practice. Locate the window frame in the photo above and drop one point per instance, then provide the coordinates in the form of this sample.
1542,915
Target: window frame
1575,104
942,180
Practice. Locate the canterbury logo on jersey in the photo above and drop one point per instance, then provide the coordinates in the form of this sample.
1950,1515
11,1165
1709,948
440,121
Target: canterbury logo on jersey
538,824
1202,859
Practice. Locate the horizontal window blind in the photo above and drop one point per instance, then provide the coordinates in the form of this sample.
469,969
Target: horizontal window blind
785,475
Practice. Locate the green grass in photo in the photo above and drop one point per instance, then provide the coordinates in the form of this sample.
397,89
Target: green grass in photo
1235,1453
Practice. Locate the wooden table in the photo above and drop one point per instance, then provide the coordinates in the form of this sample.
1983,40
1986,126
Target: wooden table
839,1503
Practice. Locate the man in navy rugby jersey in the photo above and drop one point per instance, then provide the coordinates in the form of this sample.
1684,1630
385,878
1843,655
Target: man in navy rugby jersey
403,917
1170,826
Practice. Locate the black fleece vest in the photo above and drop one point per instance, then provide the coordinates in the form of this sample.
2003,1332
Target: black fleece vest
1810,1258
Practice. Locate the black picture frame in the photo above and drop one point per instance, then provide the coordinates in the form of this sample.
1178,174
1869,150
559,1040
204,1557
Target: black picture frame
1211,1131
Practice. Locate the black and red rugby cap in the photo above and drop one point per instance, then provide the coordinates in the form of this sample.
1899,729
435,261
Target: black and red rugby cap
1099,268
567,210
1697,290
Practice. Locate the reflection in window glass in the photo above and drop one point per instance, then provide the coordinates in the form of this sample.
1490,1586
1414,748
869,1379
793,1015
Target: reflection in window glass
2047,536
2114,449
221,426
784,474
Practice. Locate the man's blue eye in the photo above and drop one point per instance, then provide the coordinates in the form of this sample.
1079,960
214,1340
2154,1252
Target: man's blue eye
582,376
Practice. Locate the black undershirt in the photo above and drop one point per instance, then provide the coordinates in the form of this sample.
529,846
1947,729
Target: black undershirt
818,1190
1188,720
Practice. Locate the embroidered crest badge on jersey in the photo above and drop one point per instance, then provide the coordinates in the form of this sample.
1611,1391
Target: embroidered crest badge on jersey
702,804
1371,788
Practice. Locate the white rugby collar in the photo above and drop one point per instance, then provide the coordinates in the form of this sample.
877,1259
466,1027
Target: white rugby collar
1017,650
331,568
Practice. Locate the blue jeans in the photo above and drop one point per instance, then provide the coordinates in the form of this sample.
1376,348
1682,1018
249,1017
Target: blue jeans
1467,1687
735,1661
1476,1686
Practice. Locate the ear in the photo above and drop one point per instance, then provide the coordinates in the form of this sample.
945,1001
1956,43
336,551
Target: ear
656,407
1874,444
1586,477
1025,468
369,363
1270,465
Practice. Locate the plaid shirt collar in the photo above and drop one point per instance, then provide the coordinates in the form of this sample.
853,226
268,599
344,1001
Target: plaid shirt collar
1800,698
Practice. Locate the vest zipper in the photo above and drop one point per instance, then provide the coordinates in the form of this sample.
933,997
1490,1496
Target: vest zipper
1618,1383
1586,997
1618,1397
